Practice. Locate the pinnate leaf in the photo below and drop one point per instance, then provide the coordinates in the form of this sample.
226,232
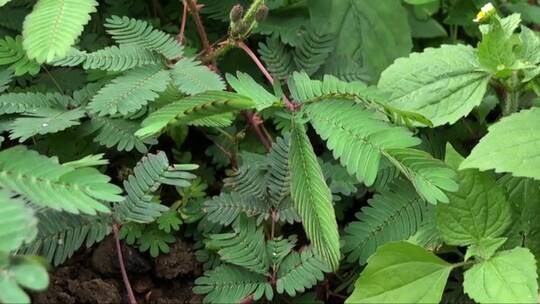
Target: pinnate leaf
312,198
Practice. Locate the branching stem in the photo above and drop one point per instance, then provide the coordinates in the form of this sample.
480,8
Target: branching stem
194,10
265,72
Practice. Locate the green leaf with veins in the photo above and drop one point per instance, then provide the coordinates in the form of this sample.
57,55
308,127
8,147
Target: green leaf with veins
381,27
401,273
442,84
508,277
511,145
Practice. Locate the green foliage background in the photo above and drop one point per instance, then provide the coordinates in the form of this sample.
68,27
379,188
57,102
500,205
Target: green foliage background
313,151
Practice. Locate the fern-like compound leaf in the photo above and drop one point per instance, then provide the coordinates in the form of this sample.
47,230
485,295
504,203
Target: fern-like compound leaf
279,178
12,103
392,215
130,92
62,234
18,225
313,50
44,121
357,136
192,108
149,174
118,133
12,53
227,207
52,27
45,182
300,271
277,58
192,78
129,31
113,58
431,177
232,284
247,86
312,198
6,76
279,248
248,180
245,247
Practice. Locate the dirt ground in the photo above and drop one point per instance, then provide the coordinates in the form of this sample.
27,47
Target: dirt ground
93,276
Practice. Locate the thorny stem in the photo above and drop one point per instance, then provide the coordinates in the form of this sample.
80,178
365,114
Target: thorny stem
131,296
265,72
194,10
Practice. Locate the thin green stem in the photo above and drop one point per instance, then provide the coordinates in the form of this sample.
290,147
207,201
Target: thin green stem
463,264
511,99
249,17
53,80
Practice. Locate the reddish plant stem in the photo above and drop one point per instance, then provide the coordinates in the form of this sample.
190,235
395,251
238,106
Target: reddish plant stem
194,10
291,106
255,123
180,36
127,284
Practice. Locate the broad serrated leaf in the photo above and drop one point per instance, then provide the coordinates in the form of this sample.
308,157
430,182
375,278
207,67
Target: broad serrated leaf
401,273
52,27
479,210
192,78
442,84
511,145
131,91
508,277
381,27
312,197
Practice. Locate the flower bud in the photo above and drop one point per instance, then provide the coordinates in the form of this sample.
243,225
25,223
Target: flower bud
261,14
237,12
485,12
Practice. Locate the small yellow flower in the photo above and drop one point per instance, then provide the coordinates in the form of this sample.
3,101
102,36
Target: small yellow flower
485,12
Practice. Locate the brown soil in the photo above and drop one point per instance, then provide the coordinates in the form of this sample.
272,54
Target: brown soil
93,276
